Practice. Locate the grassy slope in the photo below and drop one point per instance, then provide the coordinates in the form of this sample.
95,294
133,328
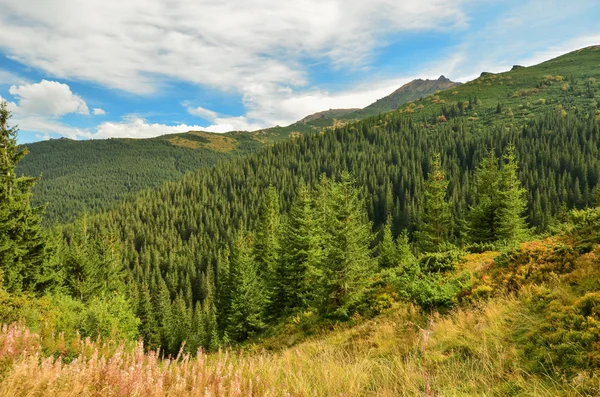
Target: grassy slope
492,344
79,176
565,82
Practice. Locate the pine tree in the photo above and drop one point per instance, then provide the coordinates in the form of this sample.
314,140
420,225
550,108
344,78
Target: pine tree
347,262
148,326
267,250
248,299
302,250
484,216
405,255
199,327
161,301
500,202
388,249
511,223
435,224
82,265
23,253
182,324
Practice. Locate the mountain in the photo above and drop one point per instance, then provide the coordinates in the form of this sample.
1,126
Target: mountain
98,173
327,115
92,175
411,91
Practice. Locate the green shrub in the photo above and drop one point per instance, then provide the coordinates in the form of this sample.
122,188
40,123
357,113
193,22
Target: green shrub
434,262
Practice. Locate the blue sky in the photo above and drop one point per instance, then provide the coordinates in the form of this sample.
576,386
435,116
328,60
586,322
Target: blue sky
132,68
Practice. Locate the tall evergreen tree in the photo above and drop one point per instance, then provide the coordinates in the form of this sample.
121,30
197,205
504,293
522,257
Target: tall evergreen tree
512,226
347,261
500,202
405,254
266,249
23,252
388,249
484,215
162,308
148,326
302,250
248,296
435,223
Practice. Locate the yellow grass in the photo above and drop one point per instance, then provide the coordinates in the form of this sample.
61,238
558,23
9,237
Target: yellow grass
178,141
467,353
216,142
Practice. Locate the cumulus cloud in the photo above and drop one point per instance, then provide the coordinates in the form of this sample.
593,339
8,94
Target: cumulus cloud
48,98
98,112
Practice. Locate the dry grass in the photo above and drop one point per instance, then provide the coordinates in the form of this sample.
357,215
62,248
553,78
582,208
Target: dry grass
217,142
468,353
179,141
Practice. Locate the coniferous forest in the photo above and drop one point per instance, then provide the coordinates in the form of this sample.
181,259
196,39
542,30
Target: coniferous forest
455,207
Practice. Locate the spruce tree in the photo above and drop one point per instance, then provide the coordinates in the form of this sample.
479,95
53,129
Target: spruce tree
23,253
405,254
484,215
148,326
511,223
435,224
248,297
500,202
388,249
161,301
347,262
267,250
302,250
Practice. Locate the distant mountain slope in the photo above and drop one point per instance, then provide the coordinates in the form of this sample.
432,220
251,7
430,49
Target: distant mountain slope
327,114
78,176
411,91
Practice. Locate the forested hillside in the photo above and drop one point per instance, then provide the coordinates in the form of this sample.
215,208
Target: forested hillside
425,208
178,239
79,176
91,176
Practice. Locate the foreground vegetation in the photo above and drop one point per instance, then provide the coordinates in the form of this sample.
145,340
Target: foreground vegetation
527,324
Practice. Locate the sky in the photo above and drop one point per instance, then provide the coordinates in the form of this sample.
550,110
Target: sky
98,69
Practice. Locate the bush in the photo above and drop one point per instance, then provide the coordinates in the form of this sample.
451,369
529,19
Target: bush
110,317
479,248
434,262
568,337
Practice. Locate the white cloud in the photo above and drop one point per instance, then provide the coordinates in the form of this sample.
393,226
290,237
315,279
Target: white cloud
561,49
526,33
9,78
133,126
98,112
48,98
133,45
199,111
